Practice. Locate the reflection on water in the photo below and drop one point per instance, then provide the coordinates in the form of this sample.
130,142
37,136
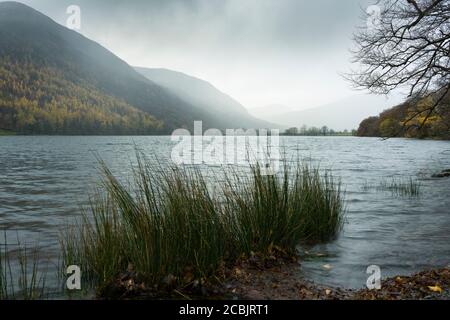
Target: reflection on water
45,180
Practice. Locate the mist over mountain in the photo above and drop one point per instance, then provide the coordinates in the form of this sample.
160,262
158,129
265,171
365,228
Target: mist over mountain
270,110
340,115
55,81
205,96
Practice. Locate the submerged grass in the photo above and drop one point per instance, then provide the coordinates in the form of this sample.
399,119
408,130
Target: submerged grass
398,187
28,283
174,222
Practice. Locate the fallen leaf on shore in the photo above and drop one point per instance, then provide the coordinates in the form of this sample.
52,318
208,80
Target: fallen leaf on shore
188,277
435,289
328,292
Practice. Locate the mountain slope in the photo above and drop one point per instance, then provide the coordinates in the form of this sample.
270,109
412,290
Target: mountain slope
41,100
205,96
54,80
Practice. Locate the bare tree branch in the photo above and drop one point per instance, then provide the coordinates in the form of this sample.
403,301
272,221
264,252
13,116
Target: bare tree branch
408,48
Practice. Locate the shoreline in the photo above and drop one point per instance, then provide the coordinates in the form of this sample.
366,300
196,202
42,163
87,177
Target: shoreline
283,283
278,279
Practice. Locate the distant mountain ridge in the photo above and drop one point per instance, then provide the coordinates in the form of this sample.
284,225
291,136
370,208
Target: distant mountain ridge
55,81
343,114
203,95
270,110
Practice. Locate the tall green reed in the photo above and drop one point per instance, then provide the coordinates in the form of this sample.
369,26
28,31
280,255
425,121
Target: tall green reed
177,221
297,205
398,187
20,274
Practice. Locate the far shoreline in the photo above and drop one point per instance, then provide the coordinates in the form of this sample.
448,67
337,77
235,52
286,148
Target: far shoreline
14,134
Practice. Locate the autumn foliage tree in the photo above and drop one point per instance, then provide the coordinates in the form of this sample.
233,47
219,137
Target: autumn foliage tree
42,100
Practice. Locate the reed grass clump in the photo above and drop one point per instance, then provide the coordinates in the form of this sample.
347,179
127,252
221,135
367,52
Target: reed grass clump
167,224
177,222
298,205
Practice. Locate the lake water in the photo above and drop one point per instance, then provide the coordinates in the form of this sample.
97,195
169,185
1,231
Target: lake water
45,180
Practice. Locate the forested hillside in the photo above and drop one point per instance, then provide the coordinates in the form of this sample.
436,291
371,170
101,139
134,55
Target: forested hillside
411,119
41,100
55,81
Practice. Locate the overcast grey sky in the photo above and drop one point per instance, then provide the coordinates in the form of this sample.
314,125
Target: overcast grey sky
259,51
